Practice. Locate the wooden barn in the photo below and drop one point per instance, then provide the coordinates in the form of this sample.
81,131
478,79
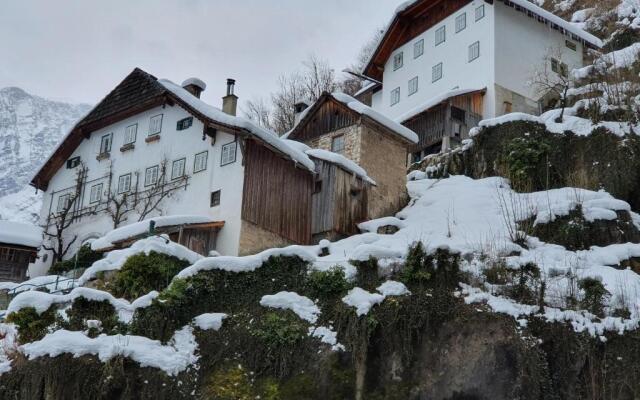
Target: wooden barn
19,245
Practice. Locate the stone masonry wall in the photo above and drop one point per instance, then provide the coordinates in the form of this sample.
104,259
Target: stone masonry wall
352,139
254,239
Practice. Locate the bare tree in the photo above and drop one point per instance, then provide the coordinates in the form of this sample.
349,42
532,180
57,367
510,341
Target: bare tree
351,83
150,200
58,221
290,91
119,205
552,79
318,77
259,111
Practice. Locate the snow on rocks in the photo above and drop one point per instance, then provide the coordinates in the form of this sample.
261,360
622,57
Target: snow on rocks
393,288
42,301
327,336
302,306
247,263
140,228
21,234
375,224
115,259
210,321
173,358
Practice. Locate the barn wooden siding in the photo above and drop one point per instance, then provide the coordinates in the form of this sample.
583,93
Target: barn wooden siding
340,204
329,118
277,195
14,261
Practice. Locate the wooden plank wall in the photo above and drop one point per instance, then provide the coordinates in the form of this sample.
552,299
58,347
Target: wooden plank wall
429,126
341,204
277,195
329,118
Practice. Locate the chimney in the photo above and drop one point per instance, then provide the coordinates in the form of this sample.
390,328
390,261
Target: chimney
194,86
230,101
299,108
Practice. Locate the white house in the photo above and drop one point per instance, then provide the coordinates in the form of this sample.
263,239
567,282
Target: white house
151,141
442,65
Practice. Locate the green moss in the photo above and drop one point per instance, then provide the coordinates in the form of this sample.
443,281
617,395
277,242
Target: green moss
328,285
279,329
143,273
527,160
84,259
82,310
31,325
232,383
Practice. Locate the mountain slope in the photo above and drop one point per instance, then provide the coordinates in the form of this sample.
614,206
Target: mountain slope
30,127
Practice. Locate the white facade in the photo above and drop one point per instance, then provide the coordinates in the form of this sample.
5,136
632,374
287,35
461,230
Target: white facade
510,46
173,144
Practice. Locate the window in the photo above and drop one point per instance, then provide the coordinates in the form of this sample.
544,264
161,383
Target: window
461,22
395,96
337,144
398,61
73,162
418,48
480,13
413,86
130,134
559,67
177,168
96,193
441,35
564,70
64,202
124,183
105,143
571,45
184,123
436,72
155,125
151,175
200,161
215,198
228,153
474,51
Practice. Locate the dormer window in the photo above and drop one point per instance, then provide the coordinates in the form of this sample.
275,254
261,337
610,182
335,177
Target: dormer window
398,61
155,125
441,35
73,162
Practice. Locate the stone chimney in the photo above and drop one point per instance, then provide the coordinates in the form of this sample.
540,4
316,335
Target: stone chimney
194,86
299,108
230,101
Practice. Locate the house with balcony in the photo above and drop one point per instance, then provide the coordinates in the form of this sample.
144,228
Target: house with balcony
444,65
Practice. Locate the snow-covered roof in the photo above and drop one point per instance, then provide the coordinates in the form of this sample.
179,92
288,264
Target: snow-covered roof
20,234
434,101
370,85
218,115
140,228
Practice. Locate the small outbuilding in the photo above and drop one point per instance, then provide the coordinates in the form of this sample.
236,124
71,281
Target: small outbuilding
19,245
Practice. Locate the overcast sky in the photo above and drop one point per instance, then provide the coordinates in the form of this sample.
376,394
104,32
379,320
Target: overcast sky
78,50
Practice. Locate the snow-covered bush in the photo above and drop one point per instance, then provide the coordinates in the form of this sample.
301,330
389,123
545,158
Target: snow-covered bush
83,259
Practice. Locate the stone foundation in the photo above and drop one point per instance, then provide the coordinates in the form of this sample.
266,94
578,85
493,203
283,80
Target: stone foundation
254,239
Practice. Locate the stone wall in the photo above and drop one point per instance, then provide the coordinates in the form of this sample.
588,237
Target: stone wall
385,160
352,142
518,102
254,239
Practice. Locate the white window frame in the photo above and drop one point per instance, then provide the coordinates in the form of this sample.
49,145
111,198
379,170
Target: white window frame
106,149
130,134
461,22
474,51
437,72
395,96
413,86
155,125
178,168
338,144
122,186
151,175
63,202
479,13
441,35
228,153
200,162
398,61
418,48
95,194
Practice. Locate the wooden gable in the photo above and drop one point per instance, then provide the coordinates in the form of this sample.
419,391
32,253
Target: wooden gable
326,115
408,24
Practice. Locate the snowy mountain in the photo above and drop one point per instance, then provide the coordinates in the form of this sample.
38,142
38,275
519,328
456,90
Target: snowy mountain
30,127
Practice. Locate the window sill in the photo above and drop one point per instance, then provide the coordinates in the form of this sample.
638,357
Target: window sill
103,156
151,139
127,147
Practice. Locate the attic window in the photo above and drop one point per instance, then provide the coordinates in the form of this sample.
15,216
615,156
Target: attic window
155,125
184,123
73,162
105,143
398,61
130,134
